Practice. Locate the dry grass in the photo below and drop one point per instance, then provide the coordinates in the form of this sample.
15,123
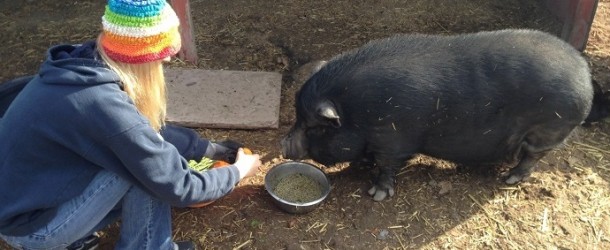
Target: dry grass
567,206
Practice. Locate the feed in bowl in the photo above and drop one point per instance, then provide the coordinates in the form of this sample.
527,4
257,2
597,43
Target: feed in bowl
297,187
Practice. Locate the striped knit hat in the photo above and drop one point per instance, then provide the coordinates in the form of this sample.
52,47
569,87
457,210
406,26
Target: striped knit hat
140,31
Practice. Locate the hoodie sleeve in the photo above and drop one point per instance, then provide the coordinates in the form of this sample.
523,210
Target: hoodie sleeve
158,167
125,143
188,142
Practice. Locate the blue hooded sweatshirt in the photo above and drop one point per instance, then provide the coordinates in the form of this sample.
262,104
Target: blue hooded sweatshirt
72,121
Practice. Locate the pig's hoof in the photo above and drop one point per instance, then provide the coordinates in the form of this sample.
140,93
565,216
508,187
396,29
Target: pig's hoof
380,193
512,178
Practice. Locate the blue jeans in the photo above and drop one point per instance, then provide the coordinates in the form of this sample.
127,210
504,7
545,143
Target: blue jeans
145,220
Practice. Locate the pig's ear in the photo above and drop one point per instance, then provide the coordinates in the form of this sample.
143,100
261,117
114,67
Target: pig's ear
328,111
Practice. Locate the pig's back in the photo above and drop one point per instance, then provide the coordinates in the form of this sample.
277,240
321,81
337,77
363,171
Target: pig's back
462,61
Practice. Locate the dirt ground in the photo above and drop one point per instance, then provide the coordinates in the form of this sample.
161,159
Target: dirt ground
565,205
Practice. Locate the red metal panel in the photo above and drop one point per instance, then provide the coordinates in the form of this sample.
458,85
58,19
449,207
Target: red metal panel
577,17
189,50
581,24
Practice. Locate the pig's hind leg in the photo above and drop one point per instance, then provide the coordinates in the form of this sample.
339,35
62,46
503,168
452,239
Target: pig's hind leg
525,167
535,146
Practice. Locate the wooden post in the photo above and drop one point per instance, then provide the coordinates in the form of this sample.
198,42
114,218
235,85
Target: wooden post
577,17
188,52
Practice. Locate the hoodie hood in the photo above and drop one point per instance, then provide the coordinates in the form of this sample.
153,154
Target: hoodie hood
76,65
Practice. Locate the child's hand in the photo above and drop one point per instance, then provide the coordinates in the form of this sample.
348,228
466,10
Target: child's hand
247,164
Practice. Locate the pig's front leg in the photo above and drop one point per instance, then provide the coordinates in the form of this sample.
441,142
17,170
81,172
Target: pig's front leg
384,183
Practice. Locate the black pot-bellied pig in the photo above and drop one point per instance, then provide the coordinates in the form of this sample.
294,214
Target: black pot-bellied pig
482,98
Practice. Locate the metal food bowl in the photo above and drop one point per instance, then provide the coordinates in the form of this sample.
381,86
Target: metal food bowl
276,173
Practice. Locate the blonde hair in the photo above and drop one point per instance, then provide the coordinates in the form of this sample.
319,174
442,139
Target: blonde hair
144,83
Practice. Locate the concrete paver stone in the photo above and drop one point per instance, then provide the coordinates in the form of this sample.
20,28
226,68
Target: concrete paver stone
223,99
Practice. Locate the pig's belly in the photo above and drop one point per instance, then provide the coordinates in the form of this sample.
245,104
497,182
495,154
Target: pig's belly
484,146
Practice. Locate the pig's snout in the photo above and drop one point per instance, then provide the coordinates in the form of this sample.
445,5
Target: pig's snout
293,146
